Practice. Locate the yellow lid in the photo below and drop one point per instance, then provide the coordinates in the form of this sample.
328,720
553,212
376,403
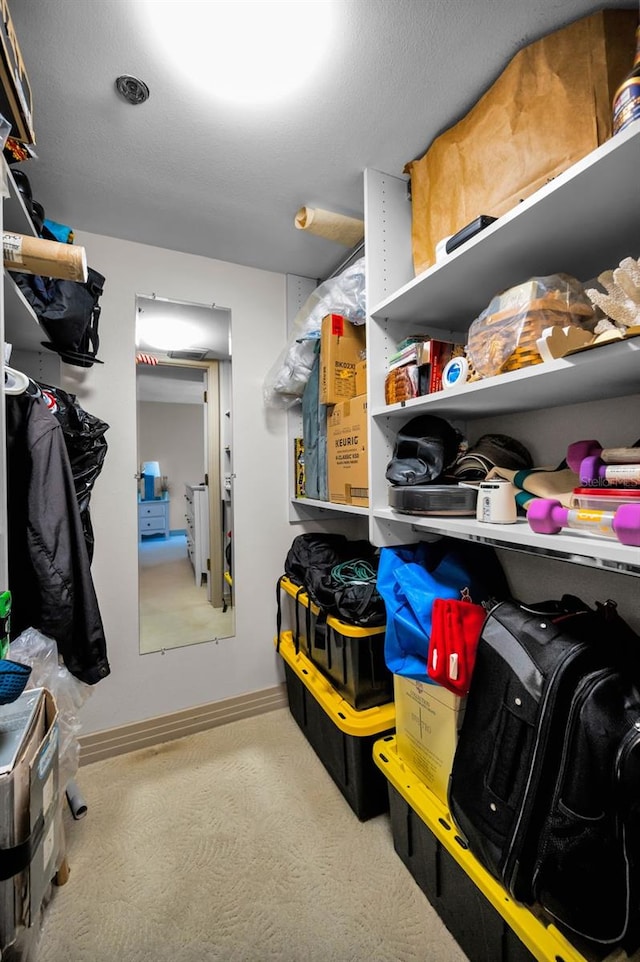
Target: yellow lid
297,593
351,631
543,940
370,721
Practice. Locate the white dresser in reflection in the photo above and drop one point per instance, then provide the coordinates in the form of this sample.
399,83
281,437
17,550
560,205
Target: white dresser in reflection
197,526
153,517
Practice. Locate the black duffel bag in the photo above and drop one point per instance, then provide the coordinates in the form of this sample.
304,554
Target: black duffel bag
68,312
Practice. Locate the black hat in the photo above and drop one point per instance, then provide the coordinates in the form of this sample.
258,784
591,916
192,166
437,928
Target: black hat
490,451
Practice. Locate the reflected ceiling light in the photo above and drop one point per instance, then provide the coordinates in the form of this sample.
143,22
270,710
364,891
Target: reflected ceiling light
165,333
245,51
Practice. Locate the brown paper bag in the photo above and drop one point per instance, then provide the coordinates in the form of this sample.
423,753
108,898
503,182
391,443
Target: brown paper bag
550,106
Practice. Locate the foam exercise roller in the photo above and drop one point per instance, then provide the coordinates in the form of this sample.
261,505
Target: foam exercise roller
35,255
593,470
579,450
546,516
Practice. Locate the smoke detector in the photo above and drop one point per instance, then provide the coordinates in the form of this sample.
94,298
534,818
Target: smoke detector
134,91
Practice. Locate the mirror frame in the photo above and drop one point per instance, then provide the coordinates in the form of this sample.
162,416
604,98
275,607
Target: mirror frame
213,476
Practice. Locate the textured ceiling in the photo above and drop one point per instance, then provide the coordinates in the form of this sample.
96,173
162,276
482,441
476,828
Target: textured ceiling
189,172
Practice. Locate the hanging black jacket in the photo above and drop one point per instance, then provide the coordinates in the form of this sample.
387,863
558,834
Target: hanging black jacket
49,570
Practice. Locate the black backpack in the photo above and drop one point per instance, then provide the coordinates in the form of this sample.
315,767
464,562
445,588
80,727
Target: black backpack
339,576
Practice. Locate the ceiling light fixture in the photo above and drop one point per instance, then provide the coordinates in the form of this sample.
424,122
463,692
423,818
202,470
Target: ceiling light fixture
243,51
133,90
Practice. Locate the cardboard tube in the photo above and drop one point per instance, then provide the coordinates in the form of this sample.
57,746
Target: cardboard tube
334,227
34,255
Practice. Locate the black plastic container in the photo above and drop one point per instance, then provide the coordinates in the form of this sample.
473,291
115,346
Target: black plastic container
342,737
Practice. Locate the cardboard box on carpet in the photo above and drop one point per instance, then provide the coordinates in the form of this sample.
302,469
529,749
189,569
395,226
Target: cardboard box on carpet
347,452
549,108
30,822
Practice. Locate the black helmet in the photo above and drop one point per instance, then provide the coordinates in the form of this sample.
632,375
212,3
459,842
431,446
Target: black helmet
424,449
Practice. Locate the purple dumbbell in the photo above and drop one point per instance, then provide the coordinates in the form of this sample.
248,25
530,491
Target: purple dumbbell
593,470
579,450
546,516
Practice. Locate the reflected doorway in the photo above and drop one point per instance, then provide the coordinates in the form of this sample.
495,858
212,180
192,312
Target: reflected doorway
184,495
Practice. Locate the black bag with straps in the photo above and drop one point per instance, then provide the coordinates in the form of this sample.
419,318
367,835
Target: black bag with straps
545,783
339,577
68,312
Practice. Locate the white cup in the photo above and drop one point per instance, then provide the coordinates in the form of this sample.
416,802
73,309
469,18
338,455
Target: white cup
496,502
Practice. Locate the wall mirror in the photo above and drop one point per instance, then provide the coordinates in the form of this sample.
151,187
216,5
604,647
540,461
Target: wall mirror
185,478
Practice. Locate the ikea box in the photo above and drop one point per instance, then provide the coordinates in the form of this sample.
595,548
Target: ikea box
30,832
361,378
428,719
347,452
342,345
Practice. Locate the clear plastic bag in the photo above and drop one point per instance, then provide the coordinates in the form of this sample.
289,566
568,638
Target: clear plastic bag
503,338
47,671
344,294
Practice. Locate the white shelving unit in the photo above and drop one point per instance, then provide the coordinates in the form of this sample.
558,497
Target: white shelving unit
583,222
21,327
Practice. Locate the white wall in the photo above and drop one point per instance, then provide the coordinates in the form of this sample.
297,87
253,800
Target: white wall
173,435
154,684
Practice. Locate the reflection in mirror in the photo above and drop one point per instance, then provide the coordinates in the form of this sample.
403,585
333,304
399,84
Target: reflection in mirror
184,492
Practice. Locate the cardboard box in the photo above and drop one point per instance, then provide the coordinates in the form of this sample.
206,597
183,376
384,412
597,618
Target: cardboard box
342,345
347,452
361,378
15,93
29,808
549,108
428,719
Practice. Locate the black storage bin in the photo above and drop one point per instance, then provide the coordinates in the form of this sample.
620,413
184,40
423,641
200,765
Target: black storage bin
342,737
485,921
353,658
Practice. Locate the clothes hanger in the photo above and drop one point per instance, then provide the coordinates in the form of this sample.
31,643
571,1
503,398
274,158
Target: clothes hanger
15,382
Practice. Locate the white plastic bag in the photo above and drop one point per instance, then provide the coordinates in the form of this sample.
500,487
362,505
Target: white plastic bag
344,294
47,671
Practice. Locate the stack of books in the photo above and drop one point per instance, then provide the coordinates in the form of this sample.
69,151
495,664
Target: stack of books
416,366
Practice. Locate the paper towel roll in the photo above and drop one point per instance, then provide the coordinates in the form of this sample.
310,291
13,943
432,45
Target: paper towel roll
334,227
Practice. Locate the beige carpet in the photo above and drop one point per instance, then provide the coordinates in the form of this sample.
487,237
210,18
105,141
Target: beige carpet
233,845
174,610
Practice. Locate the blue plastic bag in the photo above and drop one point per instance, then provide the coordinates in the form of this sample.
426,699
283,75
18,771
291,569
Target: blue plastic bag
411,577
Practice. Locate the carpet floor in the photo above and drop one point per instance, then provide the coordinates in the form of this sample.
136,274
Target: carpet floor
233,845
174,610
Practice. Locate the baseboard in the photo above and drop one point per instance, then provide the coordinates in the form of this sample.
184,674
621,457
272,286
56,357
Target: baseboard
162,728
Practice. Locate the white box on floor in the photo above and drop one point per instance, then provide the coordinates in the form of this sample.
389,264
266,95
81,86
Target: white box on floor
30,827
428,719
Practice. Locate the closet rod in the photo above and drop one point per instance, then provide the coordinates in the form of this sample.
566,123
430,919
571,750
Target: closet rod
351,256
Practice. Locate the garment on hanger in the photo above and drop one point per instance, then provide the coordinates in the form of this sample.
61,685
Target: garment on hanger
49,568
86,446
